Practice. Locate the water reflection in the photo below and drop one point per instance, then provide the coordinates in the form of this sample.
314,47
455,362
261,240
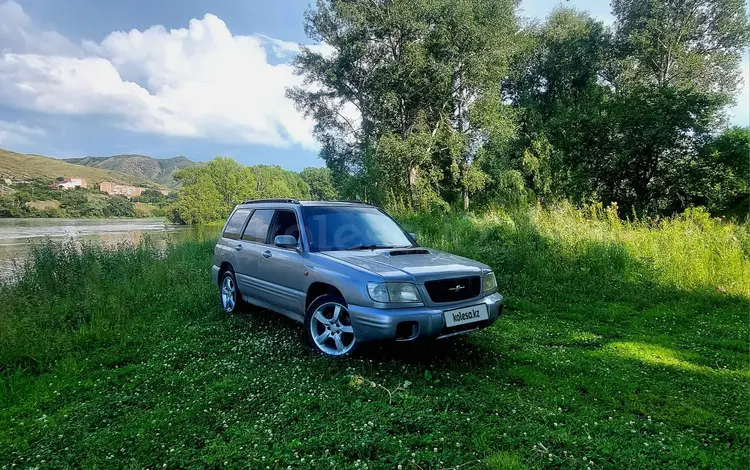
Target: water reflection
18,235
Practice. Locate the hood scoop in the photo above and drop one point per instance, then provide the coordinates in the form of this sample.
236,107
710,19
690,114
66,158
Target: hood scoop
418,251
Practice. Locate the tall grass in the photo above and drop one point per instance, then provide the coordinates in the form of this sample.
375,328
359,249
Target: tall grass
689,251
71,296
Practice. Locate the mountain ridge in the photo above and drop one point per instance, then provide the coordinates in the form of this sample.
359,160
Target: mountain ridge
17,166
159,170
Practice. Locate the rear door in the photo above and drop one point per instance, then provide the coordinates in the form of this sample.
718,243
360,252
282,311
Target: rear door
227,246
248,251
281,270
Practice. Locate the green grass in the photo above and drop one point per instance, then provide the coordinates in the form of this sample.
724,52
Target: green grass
622,346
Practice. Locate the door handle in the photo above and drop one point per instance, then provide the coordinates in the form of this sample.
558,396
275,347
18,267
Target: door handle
267,254
238,247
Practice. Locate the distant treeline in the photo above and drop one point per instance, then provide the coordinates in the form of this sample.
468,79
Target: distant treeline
210,192
37,199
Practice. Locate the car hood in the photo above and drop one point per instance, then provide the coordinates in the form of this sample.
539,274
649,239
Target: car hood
418,263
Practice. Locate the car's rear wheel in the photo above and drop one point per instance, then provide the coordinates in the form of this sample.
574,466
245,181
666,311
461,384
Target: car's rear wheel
230,298
328,326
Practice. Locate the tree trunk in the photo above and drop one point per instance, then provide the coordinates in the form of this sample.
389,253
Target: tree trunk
466,199
413,173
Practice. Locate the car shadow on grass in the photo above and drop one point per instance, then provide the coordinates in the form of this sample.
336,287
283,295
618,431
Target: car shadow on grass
450,351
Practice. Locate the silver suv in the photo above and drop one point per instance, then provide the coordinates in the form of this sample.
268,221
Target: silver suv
349,273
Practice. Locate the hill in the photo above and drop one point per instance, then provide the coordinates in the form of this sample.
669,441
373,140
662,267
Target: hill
141,166
17,166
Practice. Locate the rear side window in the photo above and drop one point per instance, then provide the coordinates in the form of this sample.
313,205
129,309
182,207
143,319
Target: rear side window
235,224
257,228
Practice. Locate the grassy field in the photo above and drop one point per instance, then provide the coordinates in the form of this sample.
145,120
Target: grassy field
623,346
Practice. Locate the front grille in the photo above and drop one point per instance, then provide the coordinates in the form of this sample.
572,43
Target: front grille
453,290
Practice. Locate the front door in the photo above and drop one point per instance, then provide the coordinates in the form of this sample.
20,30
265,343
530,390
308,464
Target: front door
281,270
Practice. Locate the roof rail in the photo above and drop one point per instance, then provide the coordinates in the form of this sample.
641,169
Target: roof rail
287,200
351,201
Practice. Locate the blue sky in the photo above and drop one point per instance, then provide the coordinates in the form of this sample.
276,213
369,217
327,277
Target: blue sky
169,77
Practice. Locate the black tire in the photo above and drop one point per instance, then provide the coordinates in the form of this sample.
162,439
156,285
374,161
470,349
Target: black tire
236,304
342,328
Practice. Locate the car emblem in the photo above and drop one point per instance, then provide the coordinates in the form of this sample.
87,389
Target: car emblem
457,288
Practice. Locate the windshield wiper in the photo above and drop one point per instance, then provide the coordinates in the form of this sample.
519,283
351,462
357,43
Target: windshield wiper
369,247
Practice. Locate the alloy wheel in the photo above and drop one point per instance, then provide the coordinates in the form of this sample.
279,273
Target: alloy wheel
331,329
228,294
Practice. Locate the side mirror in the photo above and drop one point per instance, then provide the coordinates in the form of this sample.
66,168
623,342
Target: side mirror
413,236
285,241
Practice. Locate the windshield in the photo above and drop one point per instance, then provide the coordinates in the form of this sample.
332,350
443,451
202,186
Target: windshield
352,228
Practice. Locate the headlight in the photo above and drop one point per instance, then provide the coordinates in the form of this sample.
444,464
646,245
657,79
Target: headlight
378,292
393,292
489,282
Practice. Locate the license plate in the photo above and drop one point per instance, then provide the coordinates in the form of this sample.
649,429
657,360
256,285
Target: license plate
461,316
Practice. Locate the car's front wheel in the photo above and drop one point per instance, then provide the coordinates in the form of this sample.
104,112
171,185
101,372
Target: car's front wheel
328,326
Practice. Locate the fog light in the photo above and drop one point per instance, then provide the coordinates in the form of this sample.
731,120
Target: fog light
407,330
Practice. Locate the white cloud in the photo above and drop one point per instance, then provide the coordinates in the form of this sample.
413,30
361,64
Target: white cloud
15,133
201,81
19,34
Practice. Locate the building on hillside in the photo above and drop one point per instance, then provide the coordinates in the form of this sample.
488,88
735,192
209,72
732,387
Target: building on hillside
164,192
71,183
120,189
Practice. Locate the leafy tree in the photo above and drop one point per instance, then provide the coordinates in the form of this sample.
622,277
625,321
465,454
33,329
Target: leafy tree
198,201
468,45
364,89
273,181
75,203
210,192
151,196
559,87
678,68
321,184
685,44
14,205
409,95
119,206
723,175
621,116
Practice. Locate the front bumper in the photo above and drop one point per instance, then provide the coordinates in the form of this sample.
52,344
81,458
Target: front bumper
372,324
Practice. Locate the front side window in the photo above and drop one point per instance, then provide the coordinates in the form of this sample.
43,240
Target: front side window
351,228
235,224
285,224
257,228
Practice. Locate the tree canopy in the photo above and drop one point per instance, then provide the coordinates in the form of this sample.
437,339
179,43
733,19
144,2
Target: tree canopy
209,192
321,184
429,104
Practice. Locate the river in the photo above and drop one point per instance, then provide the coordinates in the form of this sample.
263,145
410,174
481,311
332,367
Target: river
17,236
